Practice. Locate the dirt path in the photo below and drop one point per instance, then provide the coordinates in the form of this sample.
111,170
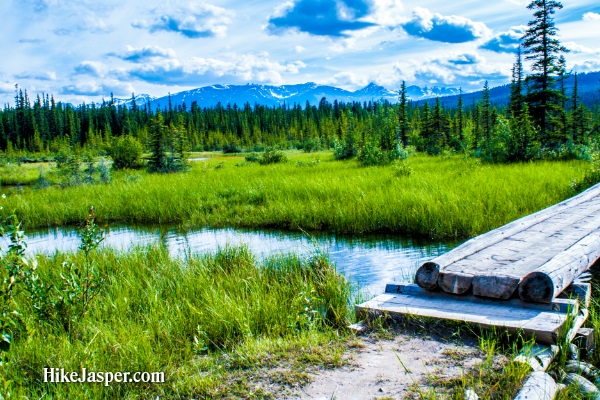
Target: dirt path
394,368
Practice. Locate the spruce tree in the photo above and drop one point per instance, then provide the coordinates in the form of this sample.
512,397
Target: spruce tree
543,48
403,116
515,107
158,146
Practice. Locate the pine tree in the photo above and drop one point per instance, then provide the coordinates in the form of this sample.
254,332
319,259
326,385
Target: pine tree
515,107
543,48
579,119
158,159
403,116
486,113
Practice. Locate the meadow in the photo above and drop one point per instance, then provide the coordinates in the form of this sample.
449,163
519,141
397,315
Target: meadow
435,197
227,325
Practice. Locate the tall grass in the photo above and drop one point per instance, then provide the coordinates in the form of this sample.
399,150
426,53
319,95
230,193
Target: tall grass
210,323
440,198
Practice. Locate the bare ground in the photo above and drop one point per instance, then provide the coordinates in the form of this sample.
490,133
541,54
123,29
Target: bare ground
402,364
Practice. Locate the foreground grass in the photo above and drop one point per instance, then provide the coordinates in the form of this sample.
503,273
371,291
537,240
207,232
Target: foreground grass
217,326
441,198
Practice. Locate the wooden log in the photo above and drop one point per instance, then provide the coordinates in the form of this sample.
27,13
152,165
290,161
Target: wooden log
427,276
586,387
545,354
495,286
481,242
587,370
548,281
539,386
455,283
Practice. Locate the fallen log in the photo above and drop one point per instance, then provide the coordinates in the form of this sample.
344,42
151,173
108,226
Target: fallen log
549,280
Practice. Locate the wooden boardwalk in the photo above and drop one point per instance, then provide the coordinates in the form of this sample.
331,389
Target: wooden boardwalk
537,256
526,276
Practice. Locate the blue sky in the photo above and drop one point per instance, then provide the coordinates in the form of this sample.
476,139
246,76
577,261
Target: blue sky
82,50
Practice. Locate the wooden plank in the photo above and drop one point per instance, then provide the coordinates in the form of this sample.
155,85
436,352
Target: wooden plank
539,386
561,305
549,280
543,323
584,339
580,291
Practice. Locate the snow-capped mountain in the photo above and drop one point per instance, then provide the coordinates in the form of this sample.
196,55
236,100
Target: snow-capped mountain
210,96
140,100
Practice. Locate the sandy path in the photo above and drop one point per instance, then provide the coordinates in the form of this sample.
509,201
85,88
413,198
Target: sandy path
376,372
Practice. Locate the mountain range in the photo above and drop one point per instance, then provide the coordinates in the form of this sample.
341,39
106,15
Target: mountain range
267,95
210,96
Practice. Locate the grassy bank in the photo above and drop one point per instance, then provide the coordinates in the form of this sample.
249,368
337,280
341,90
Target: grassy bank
219,325
435,197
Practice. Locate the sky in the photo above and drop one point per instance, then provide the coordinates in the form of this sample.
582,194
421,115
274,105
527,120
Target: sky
84,50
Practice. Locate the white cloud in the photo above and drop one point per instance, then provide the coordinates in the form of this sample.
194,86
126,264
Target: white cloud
444,28
142,54
587,66
92,68
299,49
347,79
591,16
464,69
237,67
521,3
193,20
103,88
580,49
38,76
7,87
387,13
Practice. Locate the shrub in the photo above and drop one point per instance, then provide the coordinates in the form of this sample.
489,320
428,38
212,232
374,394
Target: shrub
126,152
369,155
345,149
231,148
272,156
403,169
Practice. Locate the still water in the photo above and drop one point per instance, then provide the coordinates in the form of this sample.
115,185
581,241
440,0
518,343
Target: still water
371,261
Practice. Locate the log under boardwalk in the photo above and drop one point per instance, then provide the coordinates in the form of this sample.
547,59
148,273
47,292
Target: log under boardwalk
536,257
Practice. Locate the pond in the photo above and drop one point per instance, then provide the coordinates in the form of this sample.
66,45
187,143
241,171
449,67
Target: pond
371,261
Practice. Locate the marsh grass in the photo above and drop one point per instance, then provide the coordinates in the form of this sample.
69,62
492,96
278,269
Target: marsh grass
450,197
221,325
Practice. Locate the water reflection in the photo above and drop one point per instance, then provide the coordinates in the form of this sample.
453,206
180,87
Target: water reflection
369,260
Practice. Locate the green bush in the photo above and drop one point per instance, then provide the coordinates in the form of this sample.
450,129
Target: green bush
272,156
126,152
252,157
369,155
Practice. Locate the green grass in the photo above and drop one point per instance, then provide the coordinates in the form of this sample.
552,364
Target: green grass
215,325
441,198
24,174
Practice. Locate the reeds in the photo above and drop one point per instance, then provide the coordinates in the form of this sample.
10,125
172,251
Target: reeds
209,323
452,197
